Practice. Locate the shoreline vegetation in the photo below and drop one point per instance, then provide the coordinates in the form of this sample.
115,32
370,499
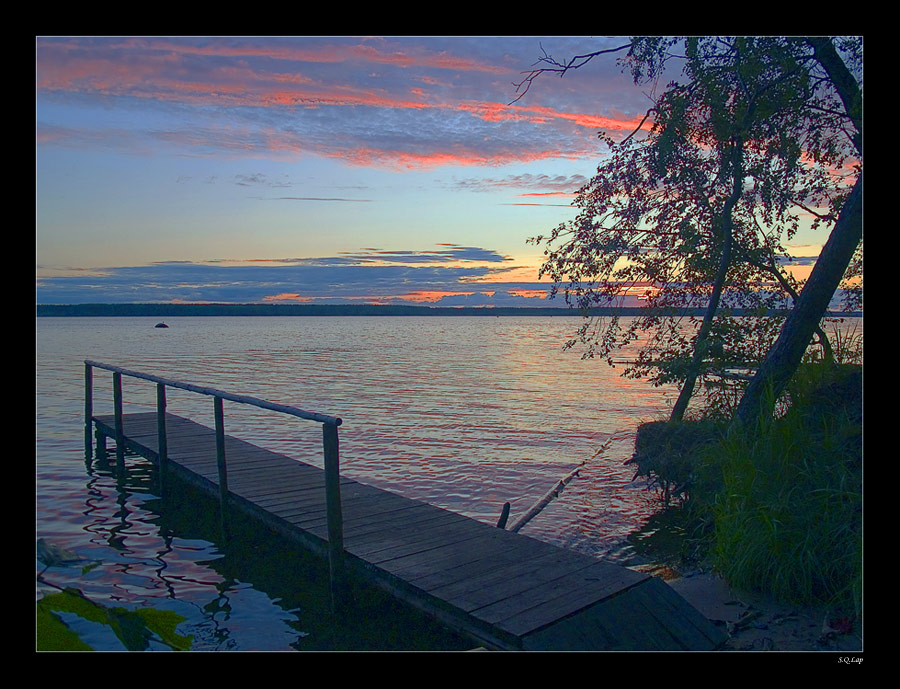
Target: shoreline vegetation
171,310
774,510
763,524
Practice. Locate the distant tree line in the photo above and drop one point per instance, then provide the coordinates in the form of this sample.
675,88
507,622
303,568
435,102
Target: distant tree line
170,310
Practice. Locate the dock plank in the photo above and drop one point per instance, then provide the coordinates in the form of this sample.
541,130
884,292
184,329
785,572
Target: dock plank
505,589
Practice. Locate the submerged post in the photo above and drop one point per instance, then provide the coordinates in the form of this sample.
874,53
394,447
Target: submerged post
504,516
161,440
101,448
120,432
88,410
220,457
333,509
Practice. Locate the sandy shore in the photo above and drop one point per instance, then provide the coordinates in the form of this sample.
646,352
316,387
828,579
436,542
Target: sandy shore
755,622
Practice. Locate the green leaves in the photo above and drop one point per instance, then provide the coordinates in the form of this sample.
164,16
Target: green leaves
134,628
789,517
752,140
51,633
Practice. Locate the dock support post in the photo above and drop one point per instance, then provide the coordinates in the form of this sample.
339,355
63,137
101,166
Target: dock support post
161,440
101,455
88,411
120,432
220,461
333,511
504,516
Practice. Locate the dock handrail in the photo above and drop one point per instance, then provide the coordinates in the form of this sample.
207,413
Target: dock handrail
329,442
243,399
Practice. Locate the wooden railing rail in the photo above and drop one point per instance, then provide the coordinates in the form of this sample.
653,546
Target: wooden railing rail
243,399
329,440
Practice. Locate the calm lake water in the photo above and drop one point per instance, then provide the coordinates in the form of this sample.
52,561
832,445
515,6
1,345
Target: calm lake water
462,412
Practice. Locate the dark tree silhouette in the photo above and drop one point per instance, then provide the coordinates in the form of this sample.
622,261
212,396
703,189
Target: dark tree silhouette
756,133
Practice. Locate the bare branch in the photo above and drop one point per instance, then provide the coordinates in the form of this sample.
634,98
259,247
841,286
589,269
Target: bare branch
558,67
640,124
827,217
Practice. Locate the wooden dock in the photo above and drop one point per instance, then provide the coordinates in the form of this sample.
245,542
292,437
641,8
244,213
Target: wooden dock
503,589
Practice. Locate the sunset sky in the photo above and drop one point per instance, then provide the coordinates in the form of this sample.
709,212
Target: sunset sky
313,169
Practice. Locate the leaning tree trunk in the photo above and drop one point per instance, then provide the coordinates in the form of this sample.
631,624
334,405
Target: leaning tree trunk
700,344
785,355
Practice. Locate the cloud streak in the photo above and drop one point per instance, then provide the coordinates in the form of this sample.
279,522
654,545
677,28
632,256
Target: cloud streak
290,97
448,275
302,149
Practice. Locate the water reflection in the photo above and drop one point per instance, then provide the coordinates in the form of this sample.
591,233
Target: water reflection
465,413
251,591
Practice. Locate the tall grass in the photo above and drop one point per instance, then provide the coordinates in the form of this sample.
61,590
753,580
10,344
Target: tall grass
788,511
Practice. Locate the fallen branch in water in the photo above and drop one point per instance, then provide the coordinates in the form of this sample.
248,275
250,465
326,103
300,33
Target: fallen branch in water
545,500
552,493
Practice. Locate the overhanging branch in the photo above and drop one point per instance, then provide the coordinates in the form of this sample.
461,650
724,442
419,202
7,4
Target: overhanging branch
559,68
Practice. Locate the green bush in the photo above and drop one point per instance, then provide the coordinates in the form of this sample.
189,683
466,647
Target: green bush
667,453
777,508
788,517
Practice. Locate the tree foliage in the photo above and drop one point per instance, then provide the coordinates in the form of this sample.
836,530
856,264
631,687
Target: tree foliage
752,141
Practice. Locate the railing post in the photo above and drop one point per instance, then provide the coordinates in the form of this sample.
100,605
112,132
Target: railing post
329,439
333,510
120,432
101,448
161,439
88,411
220,458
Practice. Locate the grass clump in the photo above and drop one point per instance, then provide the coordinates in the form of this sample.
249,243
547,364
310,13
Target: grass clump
788,519
778,508
667,453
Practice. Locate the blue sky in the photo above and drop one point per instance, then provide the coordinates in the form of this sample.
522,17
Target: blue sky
311,169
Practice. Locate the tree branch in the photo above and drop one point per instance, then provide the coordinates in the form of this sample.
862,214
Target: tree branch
559,68
827,351
796,334
700,348
821,216
844,83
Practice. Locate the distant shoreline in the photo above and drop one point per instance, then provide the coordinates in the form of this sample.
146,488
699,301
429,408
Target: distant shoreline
173,310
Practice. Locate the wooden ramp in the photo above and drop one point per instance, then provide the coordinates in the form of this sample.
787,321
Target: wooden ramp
503,589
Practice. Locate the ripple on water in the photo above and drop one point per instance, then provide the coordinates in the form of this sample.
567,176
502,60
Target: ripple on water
463,413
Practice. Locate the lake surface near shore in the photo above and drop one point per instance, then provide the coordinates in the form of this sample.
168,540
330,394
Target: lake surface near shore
466,413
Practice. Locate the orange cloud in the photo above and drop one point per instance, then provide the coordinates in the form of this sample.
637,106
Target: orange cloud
525,273
531,293
72,67
494,112
322,53
160,69
567,194
366,157
424,296
287,296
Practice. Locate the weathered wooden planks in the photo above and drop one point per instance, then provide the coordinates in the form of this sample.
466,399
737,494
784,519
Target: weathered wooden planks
505,589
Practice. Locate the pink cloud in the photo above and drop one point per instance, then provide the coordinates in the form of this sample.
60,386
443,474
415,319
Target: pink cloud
370,157
287,296
156,69
530,293
162,70
566,194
